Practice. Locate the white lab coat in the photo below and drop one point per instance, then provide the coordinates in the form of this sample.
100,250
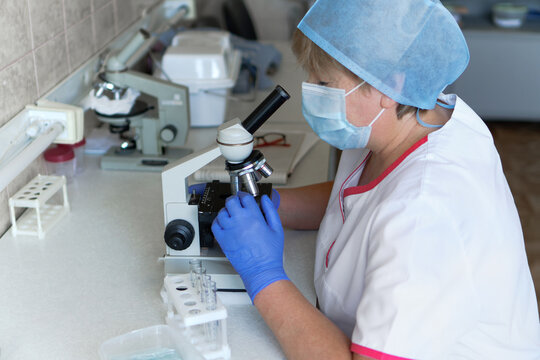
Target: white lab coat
428,261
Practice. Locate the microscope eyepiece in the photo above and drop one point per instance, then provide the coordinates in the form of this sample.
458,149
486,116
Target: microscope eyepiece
265,109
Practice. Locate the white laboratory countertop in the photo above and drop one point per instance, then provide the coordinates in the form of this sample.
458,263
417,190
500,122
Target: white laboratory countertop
96,275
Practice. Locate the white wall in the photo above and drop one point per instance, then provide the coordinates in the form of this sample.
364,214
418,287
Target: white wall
276,19
272,19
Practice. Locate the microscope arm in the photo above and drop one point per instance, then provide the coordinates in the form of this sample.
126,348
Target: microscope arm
146,83
174,176
119,60
181,217
173,100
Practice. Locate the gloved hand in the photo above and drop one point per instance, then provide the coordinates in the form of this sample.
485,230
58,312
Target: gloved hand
252,242
275,198
199,190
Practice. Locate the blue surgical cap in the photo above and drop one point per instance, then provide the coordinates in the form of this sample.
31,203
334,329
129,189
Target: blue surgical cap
409,50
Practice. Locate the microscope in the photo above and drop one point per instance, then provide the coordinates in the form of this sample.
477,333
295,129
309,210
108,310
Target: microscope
188,217
149,142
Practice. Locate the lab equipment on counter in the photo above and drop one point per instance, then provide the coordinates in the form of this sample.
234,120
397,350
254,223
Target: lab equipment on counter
207,64
22,140
187,220
194,308
149,142
60,161
508,15
196,326
35,195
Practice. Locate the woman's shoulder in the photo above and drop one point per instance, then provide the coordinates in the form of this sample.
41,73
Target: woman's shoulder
464,140
464,122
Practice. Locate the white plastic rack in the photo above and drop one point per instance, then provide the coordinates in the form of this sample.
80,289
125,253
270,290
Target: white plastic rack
206,329
35,195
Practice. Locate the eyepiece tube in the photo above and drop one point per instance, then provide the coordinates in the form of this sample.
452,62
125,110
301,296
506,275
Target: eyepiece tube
265,109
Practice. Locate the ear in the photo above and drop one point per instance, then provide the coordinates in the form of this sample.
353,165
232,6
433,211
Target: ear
387,102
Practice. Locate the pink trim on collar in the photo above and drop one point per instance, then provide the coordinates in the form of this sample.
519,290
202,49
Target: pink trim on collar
328,253
377,355
343,184
363,188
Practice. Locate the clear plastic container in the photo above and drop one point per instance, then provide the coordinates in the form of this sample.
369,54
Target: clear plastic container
156,342
78,149
60,160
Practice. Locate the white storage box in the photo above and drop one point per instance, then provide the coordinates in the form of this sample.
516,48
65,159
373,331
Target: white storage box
205,62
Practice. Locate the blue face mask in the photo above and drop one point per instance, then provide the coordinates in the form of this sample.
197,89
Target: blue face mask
324,110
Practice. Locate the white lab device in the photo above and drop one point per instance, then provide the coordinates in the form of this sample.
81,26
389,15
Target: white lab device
149,141
188,217
206,62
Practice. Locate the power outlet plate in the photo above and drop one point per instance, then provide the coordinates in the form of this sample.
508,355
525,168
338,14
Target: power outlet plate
16,134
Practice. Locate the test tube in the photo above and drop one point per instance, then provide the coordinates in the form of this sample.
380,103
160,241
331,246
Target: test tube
198,278
211,328
193,264
206,280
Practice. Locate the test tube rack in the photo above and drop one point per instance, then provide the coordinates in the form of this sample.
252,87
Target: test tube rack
35,195
187,312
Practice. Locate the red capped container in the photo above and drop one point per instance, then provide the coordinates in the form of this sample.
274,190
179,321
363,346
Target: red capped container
78,149
60,160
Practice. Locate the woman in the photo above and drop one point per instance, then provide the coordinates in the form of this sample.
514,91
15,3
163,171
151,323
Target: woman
420,253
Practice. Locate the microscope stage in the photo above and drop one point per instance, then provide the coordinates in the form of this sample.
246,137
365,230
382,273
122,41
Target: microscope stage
117,159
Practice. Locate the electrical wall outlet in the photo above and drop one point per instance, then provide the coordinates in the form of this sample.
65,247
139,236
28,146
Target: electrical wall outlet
30,132
70,116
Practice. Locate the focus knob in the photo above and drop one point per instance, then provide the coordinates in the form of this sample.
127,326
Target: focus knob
179,234
168,133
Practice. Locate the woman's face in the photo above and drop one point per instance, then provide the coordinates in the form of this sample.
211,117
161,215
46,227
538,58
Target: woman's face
362,105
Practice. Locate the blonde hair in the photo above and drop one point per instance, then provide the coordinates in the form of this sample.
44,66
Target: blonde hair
315,60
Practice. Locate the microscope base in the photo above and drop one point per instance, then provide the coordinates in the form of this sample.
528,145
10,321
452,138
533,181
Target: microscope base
221,270
137,161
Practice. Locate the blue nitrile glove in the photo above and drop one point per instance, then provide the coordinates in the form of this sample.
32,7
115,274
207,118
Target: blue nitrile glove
198,188
275,198
252,242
